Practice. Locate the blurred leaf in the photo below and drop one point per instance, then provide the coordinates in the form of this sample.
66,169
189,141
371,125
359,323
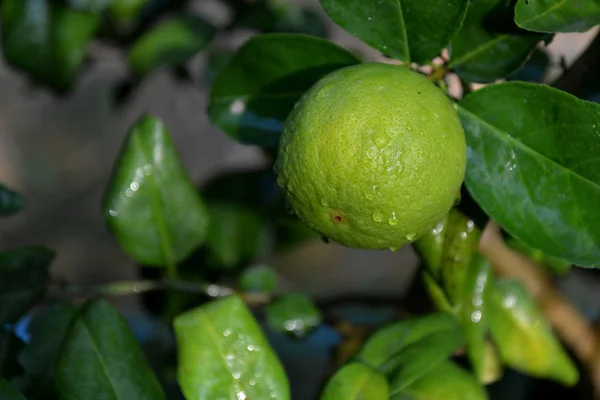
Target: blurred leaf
294,313
150,203
216,61
489,46
437,294
101,359
46,40
223,354
258,278
91,5
555,265
409,30
445,381
356,381
448,250
557,15
11,202
253,94
278,16
23,277
125,11
524,338
538,147
38,358
474,319
8,392
291,232
170,43
534,69
236,233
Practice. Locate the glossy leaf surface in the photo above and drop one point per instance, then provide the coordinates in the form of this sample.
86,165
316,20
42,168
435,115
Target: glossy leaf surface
254,93
23,277
488,46
409,30
170,43
150,203
524,338
46,40
557,15
537,147
223,354
258,278
101,359
294,313
356,381
11,202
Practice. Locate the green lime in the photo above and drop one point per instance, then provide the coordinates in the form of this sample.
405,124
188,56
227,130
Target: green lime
372,156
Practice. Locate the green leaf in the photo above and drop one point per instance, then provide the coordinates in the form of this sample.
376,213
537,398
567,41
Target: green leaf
258,278
408,349
11,202
474,320
291,232
555,265
8,392
223,354
524,338
171,43
39,356
294,313
445,381
254,93
46,40
101,359
489,47
448,250
356,381
151,205
535,69
23,277
437,294
409,30
557,15
537,147
124,11
91,5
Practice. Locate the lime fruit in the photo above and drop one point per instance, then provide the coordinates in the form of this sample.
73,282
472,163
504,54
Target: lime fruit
372,156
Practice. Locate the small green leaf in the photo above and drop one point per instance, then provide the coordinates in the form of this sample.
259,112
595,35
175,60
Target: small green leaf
409,30
23,277
91,5
39,356
294,313
223,354
555,265
474,320
124,11
150,203
254,93
524,338
11,202
356,381
171,43
9,392
557,15
536,146
445,381
46,40
489,46
101,359
258,278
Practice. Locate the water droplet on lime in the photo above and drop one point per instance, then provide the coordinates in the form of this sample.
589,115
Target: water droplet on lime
410,236
377,217
324,203
380,140
392,220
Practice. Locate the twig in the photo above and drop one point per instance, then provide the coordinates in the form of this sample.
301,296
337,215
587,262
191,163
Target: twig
574,329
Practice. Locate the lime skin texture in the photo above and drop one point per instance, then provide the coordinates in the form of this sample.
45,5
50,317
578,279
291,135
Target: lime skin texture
372,156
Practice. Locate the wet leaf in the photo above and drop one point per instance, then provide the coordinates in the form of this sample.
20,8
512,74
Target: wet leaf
46,40
557,15
356,381
11,202
170,43
101,359
150,203
9,392
24,274
294,313
489,46
253,94
445,381
555,265
258,278
223,354
524,338
537,147
409,30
